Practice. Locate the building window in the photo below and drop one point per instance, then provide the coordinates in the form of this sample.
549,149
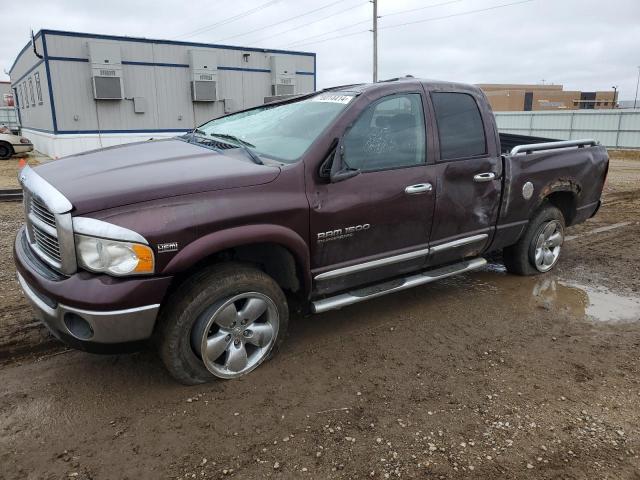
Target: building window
33,97
38,87
460,126
26,94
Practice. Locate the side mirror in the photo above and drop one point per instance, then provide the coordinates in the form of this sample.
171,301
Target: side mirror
339,169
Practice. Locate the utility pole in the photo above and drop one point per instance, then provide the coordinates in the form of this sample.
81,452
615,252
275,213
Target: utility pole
375,40
615,95
635,100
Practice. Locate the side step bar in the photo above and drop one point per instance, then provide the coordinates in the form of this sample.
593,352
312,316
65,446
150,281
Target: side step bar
362,294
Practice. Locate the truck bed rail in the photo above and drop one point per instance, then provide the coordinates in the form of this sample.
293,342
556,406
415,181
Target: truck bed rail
536,147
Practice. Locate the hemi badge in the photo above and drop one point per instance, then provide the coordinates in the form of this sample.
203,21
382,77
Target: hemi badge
168,247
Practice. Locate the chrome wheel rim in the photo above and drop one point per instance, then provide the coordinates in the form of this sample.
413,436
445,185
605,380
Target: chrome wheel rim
548,245
234,337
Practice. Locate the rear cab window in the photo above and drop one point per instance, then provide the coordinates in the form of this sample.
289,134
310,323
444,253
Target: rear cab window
460,127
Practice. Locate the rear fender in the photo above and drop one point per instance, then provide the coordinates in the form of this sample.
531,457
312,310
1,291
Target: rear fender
562,194
560,185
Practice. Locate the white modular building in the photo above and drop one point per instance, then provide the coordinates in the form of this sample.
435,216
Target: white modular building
79,91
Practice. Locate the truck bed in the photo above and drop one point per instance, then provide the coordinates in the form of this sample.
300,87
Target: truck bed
578,169
510,140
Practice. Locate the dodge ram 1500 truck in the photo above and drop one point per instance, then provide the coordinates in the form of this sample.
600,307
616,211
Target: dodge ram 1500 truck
201,242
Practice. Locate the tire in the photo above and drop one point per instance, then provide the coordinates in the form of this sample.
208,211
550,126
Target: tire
213,312
6,150
538,250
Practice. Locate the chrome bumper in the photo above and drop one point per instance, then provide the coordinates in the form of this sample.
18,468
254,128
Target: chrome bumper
22,148
116,326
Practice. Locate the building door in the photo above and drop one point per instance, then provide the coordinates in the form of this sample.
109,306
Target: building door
528,101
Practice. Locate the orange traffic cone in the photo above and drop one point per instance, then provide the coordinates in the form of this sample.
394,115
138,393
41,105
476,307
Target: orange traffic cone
22,163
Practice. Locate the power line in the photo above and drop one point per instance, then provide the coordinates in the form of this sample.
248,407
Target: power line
415,22
283,21
441,4
420,8
315,21
459,14
246,13
326,33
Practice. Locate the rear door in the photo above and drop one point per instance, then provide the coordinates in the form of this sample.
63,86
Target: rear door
375,225
468,169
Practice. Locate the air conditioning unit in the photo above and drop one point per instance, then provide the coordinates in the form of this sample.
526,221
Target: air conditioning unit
283,75
203,72
106,71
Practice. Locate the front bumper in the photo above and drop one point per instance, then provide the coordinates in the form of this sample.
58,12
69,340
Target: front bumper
115,326
85,310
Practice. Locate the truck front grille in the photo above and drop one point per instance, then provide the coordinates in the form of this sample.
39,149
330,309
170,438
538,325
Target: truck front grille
47,243
42,229
48,223
40,211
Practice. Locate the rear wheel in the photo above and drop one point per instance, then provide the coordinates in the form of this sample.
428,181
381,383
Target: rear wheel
222,323
6,150
538,250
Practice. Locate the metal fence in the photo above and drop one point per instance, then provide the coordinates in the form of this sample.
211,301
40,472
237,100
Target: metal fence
8,117
612,128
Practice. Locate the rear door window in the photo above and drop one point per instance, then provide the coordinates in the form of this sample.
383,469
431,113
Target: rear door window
460,127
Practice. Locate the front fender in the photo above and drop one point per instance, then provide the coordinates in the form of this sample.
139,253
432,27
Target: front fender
221,240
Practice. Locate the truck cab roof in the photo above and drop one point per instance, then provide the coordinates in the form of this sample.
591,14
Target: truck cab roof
391,84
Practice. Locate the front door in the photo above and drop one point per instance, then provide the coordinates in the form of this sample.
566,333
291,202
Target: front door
469,170
376,224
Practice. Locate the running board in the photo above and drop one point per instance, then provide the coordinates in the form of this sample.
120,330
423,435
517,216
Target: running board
366,293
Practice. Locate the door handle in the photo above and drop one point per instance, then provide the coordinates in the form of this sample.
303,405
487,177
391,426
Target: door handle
484,177
418,188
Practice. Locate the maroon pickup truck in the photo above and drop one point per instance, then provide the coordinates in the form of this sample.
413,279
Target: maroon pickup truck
201,242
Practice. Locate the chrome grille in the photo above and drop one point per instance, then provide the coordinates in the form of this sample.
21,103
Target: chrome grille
48,222
47,243
42,229
42,212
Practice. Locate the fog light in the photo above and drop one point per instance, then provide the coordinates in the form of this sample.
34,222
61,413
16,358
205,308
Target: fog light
78,326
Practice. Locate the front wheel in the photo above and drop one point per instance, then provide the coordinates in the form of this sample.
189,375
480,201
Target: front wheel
6,150
222,323
538,250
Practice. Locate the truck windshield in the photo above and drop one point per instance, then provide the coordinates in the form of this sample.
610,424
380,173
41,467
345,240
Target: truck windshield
280,132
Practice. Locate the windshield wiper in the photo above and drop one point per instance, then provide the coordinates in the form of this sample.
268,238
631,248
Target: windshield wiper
191,135
246,146
232,138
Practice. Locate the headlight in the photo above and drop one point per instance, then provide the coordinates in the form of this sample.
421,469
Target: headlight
113,257
107,248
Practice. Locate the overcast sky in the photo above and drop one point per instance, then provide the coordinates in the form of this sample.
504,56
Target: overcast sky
583,44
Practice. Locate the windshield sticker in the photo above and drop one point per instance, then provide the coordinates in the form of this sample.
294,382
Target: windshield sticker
333,98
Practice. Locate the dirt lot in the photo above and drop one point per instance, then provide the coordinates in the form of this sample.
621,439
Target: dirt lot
9,168
481,376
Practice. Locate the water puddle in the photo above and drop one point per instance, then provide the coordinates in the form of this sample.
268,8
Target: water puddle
604,305
597,304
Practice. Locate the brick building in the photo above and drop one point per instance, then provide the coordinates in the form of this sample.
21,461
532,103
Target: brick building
514,97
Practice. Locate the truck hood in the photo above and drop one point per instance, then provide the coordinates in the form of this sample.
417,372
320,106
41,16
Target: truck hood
138,172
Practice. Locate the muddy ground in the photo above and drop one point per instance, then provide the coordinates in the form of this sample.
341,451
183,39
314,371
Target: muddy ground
485,375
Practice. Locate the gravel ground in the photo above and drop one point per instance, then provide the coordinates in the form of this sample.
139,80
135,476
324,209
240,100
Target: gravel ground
484,375
9,168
